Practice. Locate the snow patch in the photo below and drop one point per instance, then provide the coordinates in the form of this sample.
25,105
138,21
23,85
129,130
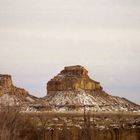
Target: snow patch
7,99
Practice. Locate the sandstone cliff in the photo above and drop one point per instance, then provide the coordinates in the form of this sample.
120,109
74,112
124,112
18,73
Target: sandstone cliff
6,86
12,95
73,78
73,87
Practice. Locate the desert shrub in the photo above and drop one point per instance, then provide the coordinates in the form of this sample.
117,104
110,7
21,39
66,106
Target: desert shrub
15,125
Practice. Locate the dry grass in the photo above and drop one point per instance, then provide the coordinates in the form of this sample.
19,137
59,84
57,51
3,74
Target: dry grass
15,125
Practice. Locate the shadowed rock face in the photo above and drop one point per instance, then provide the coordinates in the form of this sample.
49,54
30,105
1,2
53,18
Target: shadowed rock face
73,78
6,86
10,94
5,81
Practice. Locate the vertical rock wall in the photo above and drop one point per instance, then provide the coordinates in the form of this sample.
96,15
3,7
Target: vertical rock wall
73,78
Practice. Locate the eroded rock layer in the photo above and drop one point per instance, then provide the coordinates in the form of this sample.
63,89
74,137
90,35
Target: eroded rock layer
6,86
12,95
73,78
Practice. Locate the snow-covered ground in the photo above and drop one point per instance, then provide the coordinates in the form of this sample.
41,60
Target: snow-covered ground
92,102
7,99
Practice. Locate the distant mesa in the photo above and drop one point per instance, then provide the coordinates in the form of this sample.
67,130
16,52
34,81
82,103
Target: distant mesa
12,95
73,87
73,78
6,86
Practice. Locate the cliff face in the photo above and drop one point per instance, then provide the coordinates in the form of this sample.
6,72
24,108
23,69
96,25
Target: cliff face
5,83
6,86
73,78
73,87
10,94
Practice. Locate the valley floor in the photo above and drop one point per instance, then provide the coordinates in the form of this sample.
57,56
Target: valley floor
16,125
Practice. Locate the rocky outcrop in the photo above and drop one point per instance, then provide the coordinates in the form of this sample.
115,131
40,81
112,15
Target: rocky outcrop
73,78
73,87
5,83
6,86
12,95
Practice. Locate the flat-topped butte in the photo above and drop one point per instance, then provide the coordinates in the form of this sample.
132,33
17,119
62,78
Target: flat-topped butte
73,78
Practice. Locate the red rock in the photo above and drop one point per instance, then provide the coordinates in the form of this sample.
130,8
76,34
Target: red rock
6,86
73,78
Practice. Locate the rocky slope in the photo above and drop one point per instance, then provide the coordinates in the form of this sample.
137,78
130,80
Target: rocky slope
73,87
11,95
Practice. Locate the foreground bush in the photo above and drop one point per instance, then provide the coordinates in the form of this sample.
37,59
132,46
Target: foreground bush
15,126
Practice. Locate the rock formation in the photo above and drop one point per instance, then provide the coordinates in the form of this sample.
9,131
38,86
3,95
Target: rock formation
73,78
11,95
6,86
73,87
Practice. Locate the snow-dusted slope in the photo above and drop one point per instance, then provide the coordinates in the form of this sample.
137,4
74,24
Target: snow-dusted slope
95,102
11,95
10,99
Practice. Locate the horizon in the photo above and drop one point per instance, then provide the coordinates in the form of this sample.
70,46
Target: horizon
38,39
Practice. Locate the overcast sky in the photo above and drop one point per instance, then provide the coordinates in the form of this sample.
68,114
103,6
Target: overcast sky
39,37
